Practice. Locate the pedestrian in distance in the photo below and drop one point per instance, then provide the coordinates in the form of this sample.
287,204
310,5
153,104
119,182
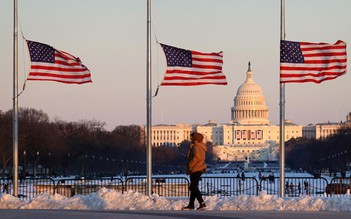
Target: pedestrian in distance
195,167
287,187
243,176
291,188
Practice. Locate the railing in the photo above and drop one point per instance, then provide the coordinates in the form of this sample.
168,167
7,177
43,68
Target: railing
29,187
71,187
163,186
228,186
179,186
295,186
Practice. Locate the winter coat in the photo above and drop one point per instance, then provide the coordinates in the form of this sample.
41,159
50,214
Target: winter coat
196,158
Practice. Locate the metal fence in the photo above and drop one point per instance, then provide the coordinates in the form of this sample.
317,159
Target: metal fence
295,186
29,187
163,186
228,186
179,186
71,187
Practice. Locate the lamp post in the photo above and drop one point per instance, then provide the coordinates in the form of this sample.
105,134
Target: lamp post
93,169
83,171
24,163
113,166
38,159
101,166
49,165
107,167
69,162
35,164
86,165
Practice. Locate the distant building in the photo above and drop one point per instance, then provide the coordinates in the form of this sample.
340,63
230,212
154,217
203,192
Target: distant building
348,120
170,135
320,130
324,130
249,135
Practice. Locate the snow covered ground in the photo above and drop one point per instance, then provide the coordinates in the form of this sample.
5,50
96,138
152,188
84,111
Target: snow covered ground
106,199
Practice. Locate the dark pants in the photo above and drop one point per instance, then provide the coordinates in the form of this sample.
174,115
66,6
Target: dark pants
194,189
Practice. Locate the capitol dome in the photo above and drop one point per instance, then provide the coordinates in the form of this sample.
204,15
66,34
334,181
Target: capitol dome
249,103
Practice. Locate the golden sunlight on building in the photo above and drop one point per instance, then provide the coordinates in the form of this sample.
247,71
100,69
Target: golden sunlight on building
249,135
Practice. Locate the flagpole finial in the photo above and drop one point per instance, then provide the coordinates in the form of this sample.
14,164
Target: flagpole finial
249,68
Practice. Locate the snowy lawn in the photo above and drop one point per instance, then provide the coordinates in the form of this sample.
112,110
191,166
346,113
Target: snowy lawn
106,199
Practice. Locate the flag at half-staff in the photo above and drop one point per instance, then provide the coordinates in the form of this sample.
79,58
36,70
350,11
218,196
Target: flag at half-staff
50,64
190,68
302,62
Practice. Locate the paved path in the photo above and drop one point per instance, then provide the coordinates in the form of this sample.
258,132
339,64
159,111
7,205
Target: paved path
78,214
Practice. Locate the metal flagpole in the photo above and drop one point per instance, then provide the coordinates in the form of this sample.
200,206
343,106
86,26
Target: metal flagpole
148,102
15,101
282,110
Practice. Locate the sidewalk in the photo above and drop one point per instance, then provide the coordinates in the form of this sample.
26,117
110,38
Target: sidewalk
79,214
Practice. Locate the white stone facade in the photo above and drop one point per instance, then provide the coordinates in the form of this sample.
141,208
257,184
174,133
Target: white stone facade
321,130
324,130
170,135
248,135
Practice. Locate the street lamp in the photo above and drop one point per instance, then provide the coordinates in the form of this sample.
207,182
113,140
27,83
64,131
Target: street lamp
35,164
93,169
38,159
107,166
114,168
49,164
24,163
84,164
101,166
69,162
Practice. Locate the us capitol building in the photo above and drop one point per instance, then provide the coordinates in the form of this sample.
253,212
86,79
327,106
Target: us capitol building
249,134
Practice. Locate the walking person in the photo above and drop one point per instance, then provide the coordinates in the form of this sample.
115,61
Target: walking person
195,167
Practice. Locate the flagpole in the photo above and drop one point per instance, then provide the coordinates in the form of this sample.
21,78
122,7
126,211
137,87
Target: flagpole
282,110
15,101
148,102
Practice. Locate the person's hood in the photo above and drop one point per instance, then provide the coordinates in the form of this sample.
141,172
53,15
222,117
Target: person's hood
202,145
198,137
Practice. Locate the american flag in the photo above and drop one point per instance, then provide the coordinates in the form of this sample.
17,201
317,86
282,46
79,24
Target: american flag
253,135
244,134
259,134
311,62
190,68
238,134
49,64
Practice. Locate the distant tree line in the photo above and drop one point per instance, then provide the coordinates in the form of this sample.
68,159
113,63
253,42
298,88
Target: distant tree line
332,154
84,148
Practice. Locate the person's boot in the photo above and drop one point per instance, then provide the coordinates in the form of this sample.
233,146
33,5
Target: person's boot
202,206
189,207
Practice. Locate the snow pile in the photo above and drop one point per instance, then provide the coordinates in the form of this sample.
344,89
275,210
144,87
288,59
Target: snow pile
106,199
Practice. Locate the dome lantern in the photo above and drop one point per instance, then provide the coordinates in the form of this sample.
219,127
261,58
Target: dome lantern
249,74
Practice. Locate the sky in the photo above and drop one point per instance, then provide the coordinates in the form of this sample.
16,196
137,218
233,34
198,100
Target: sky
106,199
109,37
